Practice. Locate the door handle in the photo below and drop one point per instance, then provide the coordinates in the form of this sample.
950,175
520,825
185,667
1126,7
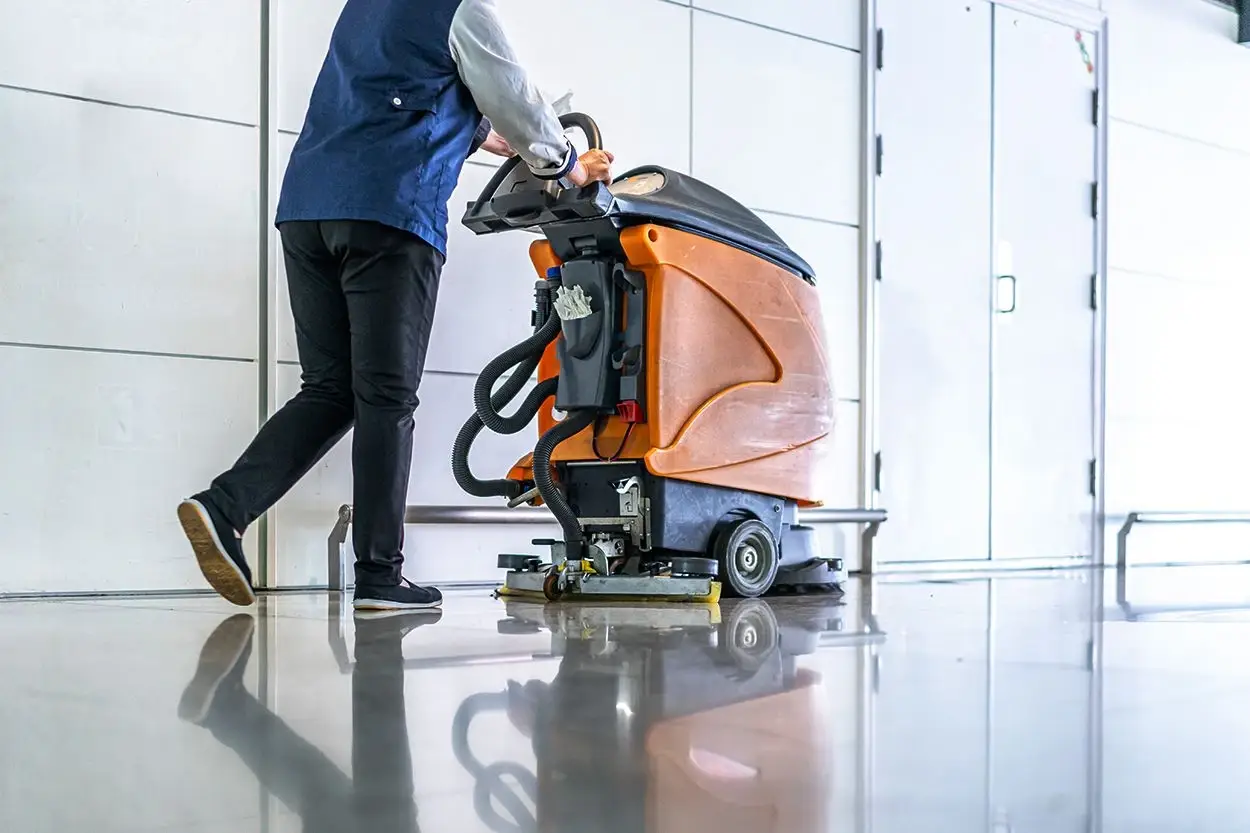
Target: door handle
1005,299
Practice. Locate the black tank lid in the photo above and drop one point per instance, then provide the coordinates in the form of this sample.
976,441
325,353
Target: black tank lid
658,195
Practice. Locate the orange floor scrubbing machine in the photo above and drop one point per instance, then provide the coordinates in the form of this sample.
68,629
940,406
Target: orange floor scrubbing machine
684,399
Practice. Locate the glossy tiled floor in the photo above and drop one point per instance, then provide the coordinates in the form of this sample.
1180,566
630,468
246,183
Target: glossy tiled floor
955,705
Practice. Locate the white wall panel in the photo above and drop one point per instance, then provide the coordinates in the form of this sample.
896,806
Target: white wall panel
304,518
1176,402
1176,349
1190,464
642,108
304,28
833,251
195,56
834,21
126,230
1177,207
98,452
759,97
284,326
1176,65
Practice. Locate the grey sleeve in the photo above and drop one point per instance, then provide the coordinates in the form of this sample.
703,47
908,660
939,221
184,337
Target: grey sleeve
504,91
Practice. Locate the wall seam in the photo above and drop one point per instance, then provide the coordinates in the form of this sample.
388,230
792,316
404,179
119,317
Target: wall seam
775,29
118,351
142,108
1183,137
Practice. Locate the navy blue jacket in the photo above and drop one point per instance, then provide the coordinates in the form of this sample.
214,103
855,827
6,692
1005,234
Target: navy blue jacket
390,123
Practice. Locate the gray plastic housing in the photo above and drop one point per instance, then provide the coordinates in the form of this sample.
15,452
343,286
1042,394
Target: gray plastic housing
588,380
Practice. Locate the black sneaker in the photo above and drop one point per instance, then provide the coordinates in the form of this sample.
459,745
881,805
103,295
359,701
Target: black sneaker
223,659
218,550
404,596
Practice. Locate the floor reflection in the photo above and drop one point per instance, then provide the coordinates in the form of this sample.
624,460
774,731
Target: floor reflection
664,719
1050,702
659,718
378,796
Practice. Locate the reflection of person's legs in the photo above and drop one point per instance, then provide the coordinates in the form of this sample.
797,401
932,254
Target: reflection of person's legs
381,754
309,425
285,764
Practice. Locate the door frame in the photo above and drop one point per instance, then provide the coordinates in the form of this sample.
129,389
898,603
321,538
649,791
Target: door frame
1069,13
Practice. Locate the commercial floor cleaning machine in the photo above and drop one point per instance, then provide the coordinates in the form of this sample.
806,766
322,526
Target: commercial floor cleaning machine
683,399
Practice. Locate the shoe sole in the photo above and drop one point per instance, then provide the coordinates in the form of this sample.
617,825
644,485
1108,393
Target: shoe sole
222,574
383,606
429,614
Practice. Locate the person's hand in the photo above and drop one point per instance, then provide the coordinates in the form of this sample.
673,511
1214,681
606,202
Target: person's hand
498,145
592,166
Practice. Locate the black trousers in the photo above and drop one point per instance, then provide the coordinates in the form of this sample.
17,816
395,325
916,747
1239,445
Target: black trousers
363,297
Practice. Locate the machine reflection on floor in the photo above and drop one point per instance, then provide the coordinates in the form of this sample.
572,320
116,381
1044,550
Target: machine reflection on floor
660,718
663,720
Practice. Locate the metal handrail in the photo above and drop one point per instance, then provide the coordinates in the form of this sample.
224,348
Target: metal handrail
1158,518
1163,518
501,516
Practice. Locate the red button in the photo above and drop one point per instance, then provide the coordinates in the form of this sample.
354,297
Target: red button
630,411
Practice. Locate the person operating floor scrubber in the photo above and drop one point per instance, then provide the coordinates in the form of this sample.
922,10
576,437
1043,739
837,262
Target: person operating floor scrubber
407,92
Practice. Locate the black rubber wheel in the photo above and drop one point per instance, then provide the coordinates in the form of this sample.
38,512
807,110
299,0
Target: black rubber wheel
519,563
751,634
749,558
684,566
551,588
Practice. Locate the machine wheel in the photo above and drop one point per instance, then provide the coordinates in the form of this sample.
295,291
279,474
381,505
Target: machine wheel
551,588
684,566
751,634
749,558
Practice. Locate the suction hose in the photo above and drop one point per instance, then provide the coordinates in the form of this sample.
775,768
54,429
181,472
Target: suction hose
469,433
572,425
523,359
527,351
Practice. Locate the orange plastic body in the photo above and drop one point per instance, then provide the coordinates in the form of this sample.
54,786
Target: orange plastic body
738,383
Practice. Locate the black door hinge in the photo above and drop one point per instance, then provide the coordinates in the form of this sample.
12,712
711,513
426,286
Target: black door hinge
876,472
1095,112
880,155
880,49
1093,292
880,259
1093,200
1093,478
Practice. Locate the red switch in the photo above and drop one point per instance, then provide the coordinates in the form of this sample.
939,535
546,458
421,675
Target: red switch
630,412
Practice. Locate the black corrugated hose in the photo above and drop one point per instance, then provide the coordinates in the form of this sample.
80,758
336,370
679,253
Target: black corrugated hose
469,433
572,425
529,350
523,360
